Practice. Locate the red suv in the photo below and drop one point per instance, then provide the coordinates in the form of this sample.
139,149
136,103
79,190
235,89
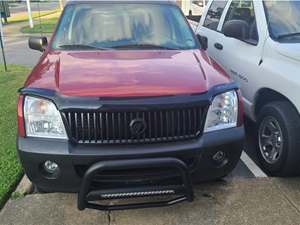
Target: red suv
125,102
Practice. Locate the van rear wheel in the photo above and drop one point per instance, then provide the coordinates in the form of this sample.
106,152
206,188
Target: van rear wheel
278,136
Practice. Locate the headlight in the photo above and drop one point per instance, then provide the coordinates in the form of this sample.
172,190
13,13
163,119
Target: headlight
42,119
223,112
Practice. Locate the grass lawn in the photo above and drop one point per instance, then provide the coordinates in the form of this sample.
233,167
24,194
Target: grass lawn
10,169
46,26
21,17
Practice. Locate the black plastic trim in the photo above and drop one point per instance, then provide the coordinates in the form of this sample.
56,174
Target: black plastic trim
103,103
35,151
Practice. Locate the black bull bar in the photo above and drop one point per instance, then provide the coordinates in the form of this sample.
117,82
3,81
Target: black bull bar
183,191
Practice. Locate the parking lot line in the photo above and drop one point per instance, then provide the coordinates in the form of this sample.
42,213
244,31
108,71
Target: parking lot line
257,172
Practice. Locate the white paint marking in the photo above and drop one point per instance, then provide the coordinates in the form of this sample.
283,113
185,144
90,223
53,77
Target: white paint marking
257,172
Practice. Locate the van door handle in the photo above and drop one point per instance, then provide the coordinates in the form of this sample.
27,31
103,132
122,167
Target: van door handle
218,46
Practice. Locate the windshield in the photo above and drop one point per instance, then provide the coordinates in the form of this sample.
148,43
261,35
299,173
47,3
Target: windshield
284,20
123,26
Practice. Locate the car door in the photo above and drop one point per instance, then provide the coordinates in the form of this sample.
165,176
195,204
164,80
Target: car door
242,58
209,24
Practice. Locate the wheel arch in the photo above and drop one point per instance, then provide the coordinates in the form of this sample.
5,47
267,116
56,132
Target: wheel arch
267,95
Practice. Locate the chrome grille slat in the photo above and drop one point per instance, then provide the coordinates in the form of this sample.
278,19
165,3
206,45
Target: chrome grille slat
162,125
107,126
95,127
82,126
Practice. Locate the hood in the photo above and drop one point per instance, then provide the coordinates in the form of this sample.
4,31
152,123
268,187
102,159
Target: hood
290,50
125,73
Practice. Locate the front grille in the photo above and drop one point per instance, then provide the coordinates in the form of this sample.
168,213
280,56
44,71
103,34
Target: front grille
135,126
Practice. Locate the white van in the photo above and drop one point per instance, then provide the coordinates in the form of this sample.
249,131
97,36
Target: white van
258,44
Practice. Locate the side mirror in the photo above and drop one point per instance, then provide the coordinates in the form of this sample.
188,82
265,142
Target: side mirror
194,18
203,41
238,29
38,43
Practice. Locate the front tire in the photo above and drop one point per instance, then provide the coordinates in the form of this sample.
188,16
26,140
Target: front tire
278,139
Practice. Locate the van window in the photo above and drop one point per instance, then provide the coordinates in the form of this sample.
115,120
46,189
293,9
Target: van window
214,14
244,10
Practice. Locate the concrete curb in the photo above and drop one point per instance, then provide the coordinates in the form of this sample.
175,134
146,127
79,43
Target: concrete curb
24,187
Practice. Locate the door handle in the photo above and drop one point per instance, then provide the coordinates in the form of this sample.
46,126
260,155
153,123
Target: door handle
218,46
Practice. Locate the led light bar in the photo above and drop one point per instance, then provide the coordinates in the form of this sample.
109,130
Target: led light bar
138,194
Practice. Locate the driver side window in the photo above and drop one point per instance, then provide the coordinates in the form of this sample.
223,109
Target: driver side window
214,14
243,11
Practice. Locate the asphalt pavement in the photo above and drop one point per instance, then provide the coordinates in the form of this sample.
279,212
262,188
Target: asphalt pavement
35,6
15,55
16,46
16,43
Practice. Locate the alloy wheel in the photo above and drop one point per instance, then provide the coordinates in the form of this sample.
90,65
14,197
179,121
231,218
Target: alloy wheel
270,140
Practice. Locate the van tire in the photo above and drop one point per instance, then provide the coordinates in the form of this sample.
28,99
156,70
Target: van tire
288,121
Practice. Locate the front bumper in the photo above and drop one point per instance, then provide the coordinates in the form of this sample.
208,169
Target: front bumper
74,160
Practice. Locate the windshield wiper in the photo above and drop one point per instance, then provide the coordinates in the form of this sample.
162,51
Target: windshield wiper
81,46
281,36
143,46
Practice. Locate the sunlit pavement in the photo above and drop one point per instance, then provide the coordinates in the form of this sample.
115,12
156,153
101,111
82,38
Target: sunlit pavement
239,201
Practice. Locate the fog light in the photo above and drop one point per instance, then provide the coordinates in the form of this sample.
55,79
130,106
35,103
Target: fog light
219,156
51,167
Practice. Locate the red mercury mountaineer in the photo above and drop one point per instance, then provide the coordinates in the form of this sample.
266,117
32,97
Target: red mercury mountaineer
125,103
